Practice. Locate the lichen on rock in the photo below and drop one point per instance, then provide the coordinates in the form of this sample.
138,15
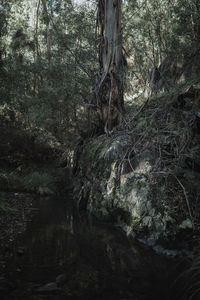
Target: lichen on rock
141,181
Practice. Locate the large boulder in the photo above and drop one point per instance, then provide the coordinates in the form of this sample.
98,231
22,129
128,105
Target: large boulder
118,186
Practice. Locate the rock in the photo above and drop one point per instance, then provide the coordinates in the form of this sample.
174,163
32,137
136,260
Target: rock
133,193
119,186
20,251
186,224
50,287
60,279
45,191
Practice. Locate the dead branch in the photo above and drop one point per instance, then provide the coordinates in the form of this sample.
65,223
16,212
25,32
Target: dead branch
186,199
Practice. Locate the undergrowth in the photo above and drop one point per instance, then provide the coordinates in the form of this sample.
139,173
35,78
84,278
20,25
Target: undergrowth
35,179
169,127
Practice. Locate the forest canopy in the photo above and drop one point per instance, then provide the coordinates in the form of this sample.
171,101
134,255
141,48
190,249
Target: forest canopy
49,55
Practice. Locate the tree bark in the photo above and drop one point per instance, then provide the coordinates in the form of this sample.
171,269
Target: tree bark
47,21
109,86
36,48
36,29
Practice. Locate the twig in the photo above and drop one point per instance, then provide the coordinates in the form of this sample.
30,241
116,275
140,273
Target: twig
140,109
186,199
132,149
120,164
85,70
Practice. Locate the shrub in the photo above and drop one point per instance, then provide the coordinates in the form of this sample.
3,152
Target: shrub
35,180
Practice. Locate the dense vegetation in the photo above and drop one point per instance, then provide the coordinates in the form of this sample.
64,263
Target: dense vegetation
49,55
49,63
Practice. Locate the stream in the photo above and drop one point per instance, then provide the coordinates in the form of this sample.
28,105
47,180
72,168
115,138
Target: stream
65,254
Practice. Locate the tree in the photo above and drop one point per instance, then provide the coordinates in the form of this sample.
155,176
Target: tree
47,21
47,62
109,87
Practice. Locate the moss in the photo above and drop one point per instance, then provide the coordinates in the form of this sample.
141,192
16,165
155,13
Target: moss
102,151
135,223
117,190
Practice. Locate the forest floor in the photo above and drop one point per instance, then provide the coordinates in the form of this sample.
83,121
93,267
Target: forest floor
29,168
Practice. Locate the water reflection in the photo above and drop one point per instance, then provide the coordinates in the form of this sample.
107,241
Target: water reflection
65,255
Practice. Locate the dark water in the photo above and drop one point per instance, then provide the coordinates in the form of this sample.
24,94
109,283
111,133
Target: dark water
68,255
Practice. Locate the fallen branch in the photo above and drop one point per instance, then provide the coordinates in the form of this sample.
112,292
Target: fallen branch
186,199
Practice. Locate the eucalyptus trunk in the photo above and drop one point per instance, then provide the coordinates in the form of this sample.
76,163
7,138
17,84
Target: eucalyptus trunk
47,21
109,88
36,29
36,48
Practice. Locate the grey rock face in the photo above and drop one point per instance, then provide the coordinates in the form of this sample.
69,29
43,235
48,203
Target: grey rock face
116,185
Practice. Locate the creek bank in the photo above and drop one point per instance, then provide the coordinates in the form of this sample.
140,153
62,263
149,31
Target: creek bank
30,159
146,180
67,255
29,169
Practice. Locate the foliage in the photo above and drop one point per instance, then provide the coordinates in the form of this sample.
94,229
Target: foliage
48,56
4,207
48,62
167,128
9,180
47,88
35,180
155,30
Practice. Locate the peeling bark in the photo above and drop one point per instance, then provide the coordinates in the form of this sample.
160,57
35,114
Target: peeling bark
47,21
36,28
109,86
36,48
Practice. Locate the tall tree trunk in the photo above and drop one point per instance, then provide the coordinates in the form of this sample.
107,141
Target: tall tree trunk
36,48
47,21
109,88
36,29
